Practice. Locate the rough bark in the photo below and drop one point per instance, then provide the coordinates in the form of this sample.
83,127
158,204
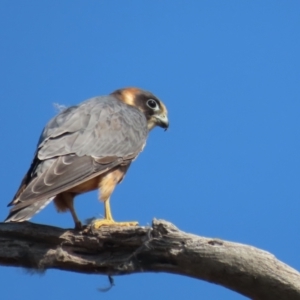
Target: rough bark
161,248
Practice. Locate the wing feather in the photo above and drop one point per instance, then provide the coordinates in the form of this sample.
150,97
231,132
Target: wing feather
80,143
111,126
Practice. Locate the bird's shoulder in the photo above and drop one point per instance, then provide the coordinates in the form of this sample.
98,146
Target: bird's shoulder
94,127
88,113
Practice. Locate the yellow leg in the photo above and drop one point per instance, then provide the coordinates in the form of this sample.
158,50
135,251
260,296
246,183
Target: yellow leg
108,219
107,210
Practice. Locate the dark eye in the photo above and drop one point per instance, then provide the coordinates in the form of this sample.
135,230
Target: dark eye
152,104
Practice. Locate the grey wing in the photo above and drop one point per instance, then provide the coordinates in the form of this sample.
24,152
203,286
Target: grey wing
99,127
78,144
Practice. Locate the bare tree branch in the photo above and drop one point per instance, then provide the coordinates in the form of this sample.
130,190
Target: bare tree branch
161,248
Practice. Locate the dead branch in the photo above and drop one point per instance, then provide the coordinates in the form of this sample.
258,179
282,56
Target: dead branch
161,248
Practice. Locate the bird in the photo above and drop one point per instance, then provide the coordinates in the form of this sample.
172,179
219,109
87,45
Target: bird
87,147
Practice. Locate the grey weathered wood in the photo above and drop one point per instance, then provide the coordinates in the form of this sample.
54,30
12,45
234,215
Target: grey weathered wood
161,248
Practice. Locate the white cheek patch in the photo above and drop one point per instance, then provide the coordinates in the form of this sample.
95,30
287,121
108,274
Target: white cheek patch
151,124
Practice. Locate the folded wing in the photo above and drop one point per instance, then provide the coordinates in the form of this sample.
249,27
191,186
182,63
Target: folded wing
78,144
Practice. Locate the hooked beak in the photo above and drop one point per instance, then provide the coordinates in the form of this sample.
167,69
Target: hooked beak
162,121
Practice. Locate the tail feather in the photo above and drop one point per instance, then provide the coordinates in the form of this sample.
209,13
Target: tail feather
25,213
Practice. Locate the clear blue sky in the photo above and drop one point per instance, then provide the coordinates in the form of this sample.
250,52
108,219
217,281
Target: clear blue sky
229,167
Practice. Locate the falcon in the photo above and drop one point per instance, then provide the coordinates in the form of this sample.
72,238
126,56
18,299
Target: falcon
87,147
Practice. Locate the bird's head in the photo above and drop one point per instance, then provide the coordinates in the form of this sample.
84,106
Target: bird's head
154,110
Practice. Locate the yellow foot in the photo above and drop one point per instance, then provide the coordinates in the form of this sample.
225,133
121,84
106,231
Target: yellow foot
105,222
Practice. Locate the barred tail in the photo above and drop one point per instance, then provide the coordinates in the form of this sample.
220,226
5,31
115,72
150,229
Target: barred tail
21,213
